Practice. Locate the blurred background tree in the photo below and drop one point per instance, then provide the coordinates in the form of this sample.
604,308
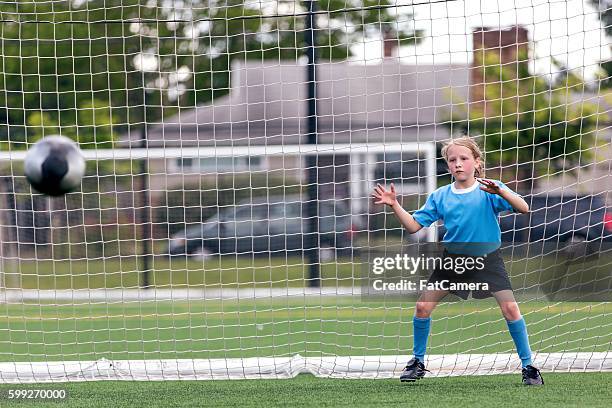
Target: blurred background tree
527,126
604,7
84,68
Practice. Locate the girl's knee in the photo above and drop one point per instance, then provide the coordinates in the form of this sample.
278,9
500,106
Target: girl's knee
424,309
510,310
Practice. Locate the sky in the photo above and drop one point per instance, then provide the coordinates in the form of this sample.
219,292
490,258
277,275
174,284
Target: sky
568,30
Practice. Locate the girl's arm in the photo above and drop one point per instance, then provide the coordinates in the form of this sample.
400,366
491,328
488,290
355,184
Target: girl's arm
405,218
515,200
389,197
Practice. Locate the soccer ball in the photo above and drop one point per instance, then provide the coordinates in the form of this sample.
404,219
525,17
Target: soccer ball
55,165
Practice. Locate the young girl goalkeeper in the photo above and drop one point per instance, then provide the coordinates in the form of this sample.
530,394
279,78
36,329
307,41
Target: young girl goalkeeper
470,215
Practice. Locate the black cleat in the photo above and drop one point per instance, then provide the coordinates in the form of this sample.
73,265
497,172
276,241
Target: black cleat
532,376
415,370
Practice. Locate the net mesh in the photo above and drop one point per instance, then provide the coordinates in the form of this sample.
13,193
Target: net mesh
188,252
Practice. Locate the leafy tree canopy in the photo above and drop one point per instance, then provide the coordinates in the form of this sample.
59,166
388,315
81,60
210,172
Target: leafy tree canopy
525,121
84,68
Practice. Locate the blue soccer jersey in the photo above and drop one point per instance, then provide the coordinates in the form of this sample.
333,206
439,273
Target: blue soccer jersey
469,215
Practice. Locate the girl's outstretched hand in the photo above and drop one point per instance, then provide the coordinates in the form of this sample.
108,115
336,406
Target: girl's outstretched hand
384,196
489,186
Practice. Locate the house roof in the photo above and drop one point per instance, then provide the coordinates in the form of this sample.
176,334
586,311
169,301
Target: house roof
267,104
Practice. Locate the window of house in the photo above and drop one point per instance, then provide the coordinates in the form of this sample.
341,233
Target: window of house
219,164
404,167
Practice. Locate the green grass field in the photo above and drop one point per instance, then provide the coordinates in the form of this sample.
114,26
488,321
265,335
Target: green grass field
283,327
245,271
310,326
566,390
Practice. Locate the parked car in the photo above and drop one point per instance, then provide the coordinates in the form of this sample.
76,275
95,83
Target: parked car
570,220
276,224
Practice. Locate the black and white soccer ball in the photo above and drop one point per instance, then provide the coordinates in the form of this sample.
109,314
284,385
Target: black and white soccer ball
55,165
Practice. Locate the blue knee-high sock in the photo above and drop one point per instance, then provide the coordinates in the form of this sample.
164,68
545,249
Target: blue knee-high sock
421,332
518,331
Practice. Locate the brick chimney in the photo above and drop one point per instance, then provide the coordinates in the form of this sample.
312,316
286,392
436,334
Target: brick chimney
390,43
506,43
509,45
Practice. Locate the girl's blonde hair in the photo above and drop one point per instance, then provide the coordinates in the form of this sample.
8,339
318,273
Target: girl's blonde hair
468,142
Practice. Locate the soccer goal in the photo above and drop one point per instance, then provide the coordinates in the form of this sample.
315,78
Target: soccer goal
57,256
225,226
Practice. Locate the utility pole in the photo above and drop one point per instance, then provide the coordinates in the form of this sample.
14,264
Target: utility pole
312,241
145,219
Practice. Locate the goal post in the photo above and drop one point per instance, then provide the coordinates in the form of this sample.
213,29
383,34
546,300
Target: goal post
362,163
55,280
366,165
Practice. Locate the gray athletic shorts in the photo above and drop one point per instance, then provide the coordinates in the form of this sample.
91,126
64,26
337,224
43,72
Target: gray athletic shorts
493,274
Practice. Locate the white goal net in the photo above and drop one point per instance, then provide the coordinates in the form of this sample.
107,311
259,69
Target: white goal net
225,227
